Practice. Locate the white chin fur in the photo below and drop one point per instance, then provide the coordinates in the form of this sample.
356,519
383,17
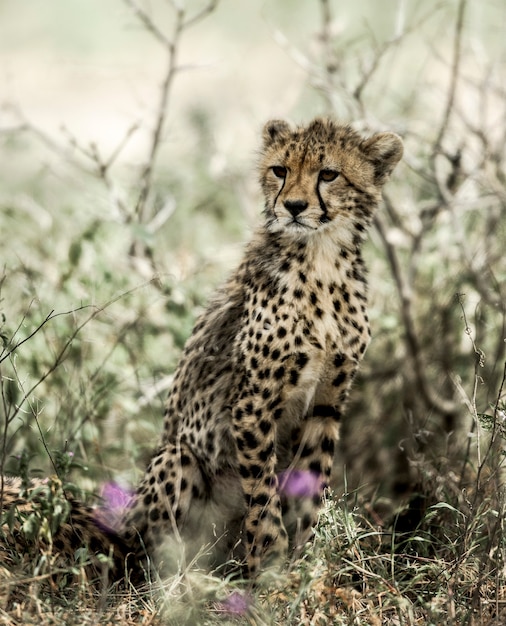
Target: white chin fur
334,233
288,225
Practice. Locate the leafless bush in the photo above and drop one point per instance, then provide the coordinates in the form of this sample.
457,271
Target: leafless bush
136,203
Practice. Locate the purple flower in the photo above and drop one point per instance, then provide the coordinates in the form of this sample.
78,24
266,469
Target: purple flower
236,604
115,500
299,483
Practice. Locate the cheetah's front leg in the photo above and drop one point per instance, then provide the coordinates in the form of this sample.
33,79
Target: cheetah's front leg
303,484
265,538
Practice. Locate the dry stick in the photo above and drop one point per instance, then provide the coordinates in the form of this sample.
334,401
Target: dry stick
147,173
103,166
495,430
172,47
319,80
500,348
457,55
445,194
51,316
432,400
479,362
100,168
6,408
207,10
480,267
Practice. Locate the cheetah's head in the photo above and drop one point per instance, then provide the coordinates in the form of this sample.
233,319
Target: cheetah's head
323,175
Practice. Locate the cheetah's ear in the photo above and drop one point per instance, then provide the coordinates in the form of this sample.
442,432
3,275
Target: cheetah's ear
273,130
384,150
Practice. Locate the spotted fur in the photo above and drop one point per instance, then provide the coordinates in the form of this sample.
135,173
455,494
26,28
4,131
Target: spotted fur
66,526
252,420
261,387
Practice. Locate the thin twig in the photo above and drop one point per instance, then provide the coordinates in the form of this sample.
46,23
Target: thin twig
50,316
202,14
472,404
181,24
148,23
454,77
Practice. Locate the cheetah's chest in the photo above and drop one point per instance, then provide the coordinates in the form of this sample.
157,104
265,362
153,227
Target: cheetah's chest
293,335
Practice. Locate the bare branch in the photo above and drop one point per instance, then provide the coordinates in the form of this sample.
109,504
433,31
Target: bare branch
435,402
6,353
202,14
100,168
401,32
121,145
147,172
455,73
148,22
181,24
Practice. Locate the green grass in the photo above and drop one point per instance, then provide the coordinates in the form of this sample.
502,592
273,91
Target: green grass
97,299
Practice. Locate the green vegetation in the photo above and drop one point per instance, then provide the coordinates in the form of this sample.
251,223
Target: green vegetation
110,249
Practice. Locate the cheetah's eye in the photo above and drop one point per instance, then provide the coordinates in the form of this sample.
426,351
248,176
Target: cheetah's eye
328,175
279,171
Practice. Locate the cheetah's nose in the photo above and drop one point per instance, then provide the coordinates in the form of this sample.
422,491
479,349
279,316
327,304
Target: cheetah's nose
295,206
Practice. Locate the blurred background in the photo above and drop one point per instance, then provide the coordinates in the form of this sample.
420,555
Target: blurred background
128,132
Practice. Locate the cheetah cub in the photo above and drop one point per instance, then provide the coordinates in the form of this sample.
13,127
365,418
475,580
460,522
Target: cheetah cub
253,417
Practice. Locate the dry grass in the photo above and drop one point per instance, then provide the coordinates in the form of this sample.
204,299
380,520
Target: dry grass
448,570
